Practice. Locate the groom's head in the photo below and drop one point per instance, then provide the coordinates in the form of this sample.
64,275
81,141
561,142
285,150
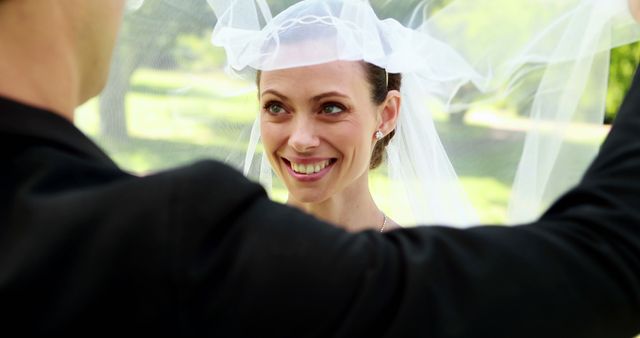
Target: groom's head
73,36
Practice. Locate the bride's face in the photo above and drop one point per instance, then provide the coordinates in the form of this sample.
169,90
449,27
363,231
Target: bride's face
318,126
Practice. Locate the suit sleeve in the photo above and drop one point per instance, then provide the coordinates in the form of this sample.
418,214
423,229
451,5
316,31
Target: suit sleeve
266,269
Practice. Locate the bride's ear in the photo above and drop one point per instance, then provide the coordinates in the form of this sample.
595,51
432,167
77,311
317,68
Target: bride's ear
390,112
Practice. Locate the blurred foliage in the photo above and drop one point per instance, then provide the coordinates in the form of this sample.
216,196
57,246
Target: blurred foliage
624,61
195,53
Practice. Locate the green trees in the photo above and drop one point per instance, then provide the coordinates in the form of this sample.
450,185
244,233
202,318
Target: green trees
624,61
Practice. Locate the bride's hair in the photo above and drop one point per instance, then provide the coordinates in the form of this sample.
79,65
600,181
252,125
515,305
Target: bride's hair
381,83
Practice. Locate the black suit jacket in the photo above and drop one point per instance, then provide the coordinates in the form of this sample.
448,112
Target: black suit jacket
86,248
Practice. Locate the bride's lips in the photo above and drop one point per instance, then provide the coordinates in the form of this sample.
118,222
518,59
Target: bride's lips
311,177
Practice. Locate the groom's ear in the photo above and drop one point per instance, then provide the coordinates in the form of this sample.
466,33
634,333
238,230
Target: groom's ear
390,112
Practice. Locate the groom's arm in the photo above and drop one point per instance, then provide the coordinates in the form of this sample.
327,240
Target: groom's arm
575,273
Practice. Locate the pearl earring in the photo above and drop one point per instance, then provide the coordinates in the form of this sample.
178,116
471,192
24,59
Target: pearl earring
379,135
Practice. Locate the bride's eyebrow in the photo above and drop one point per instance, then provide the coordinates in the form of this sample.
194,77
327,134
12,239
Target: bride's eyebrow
274,93
328,94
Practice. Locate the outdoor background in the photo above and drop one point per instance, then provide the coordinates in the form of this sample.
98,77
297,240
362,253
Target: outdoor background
169,109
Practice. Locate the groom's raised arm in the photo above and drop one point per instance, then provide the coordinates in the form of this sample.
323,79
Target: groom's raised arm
574,273
202,251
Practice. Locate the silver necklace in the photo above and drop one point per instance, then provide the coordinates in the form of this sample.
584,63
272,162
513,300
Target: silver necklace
384,222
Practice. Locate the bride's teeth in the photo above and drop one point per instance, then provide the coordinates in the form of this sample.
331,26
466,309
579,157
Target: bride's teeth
309,168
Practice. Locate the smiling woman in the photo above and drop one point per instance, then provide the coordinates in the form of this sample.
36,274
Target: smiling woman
330,111
322,135
483,128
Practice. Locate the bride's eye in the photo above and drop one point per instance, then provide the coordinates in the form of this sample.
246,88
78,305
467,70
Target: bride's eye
332,109
274,108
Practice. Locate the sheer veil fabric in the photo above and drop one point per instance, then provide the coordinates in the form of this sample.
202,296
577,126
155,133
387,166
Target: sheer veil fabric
493,91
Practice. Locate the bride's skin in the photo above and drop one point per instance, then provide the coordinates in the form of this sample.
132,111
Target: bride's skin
322,119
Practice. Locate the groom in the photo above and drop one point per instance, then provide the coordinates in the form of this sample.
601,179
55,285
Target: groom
86,248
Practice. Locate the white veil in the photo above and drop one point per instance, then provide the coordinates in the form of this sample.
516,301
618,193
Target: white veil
542,63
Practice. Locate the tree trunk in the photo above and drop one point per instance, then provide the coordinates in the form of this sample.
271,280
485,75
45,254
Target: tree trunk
457,118
113,118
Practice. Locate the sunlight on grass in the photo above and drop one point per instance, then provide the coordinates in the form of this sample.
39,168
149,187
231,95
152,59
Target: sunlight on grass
489,196
87,118
576,132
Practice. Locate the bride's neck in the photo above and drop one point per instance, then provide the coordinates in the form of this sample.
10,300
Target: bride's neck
352,209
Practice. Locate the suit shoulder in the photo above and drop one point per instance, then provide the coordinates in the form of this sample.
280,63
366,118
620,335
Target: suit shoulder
206,175
211,188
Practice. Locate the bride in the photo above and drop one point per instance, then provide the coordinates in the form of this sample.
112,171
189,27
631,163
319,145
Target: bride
323,127
347,86
329,91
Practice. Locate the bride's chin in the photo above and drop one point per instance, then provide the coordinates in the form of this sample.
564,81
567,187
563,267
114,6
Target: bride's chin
296,197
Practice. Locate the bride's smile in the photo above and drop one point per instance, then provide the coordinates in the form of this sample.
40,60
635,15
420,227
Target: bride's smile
308,169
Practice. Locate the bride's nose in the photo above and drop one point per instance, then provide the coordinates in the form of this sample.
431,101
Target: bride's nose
303,135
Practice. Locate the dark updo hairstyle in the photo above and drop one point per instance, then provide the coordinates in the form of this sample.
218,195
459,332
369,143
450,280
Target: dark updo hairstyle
380,86
377,78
